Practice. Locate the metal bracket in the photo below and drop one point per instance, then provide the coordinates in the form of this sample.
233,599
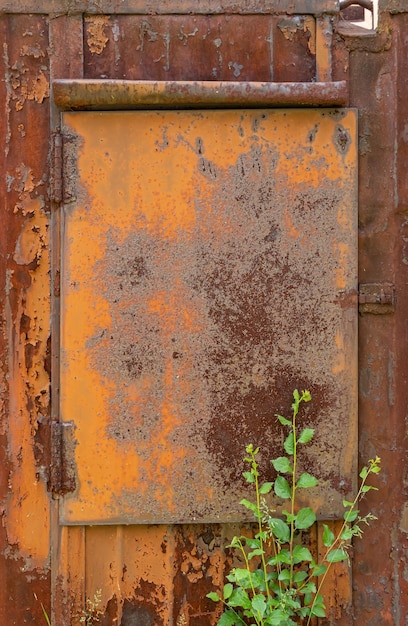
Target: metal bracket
62,468
56,169
376,298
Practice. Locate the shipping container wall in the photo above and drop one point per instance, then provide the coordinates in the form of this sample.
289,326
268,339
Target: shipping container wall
68,230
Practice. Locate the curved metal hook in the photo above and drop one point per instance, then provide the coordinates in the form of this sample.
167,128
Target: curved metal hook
366,4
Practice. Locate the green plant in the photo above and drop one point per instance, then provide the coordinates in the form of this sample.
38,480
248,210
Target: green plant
281,582
47,619
91,614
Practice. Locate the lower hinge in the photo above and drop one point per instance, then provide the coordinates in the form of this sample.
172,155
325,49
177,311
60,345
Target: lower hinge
56,191
376,298
62,475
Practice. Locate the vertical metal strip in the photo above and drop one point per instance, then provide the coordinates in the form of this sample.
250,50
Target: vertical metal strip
324,41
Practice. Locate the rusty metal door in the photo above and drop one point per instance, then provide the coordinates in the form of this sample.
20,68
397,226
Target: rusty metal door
208,266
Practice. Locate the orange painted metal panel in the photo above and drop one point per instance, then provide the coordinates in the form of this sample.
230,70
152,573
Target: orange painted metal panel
208,267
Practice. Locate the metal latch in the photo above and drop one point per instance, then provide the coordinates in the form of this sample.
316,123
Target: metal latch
376,298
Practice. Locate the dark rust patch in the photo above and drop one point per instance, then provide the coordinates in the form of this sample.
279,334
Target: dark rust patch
145,607
200,567
342,139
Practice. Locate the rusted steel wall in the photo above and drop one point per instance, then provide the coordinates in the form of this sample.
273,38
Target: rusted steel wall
25,312
163,572
379,88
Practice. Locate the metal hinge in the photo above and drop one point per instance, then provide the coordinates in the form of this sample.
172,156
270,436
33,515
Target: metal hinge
376,298
56,169
62,476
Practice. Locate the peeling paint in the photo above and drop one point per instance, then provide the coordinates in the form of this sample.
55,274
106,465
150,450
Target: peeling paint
289,27
96,37
25,87
309,25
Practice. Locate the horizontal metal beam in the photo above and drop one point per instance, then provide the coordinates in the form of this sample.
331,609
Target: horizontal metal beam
85,94
163,7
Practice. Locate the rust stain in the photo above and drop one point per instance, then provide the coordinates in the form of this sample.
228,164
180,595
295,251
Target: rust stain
96,36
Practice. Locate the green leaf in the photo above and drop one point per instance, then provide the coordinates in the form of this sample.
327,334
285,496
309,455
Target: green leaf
249,505
283,556
289,444
258,579
284,575
280,530
366,488
249,477
328,536
282,488
364,473
252,543
256,552
306,480
318,569
305,518
229,618
350,516
259,605
227,591
300,553
278,618
347,503
335,556
289,516
299,577
318,611
283,420
213,596
242,577
310,587
308,598
265,488
347,534
239,597
306,435
282,464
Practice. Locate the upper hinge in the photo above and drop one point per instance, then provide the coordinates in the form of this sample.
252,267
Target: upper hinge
376,298
56,168
62,476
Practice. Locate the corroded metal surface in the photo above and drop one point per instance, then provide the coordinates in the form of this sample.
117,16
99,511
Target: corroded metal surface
382,598
148,569
281,48
208,264
24,320
120,95
166,7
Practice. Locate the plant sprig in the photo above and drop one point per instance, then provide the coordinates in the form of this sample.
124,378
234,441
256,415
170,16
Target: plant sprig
277,586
